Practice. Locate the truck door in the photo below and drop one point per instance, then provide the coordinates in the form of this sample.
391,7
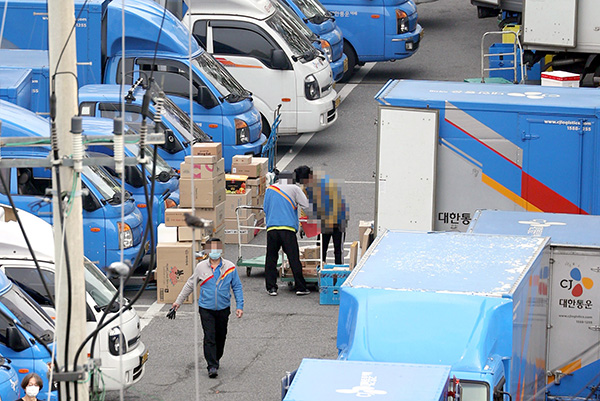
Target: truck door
552,168
574,317
245,50
28,190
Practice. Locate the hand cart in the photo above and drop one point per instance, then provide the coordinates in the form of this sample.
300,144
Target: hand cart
258,261
285,272
269,149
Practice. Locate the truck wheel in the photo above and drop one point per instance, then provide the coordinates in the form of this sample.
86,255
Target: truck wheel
352,60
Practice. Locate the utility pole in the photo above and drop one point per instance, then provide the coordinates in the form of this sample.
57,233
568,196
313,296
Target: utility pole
70,287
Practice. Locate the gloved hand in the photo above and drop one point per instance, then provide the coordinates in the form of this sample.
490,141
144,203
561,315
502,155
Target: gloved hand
171,313
302,233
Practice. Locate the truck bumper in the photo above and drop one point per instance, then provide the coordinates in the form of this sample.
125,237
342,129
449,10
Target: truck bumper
403,46
316,115
339,67
133,368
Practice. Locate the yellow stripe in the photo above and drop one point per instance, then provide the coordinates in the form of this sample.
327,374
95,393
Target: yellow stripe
569,368
227,272
508,193
281,228
280,192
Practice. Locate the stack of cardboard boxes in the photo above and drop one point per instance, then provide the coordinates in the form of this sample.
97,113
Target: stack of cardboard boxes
310,256
245,187
174,252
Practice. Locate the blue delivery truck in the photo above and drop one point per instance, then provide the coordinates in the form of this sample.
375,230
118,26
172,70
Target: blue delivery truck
322,23
104,232
376,30
39,82
462,147
573,289
15,86
222,107
180,135
476,303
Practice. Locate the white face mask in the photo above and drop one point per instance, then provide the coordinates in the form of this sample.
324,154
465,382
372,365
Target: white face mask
32,391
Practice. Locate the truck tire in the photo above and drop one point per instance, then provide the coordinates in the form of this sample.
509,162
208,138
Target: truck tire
352,61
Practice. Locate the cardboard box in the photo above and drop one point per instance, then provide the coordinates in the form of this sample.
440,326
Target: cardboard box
309,271
256,201
231,230
235,182
174,265
257,168
310,252
241,159
333,275
232,201
560,78
184,234
202,171
207,159
207,193
175,217
365,241
208,149
353,254
220,234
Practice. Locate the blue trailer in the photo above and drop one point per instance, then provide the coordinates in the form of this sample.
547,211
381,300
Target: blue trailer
473,302
460,147
342,380
15,86
574,315
37,62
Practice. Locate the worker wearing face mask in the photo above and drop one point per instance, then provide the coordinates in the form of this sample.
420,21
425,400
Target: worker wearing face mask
217,277
32,384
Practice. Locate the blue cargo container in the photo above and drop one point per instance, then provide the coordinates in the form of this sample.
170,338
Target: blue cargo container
37,62
15,86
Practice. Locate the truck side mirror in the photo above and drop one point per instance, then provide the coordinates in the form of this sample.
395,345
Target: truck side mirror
172,144
206,98
279,60
16,340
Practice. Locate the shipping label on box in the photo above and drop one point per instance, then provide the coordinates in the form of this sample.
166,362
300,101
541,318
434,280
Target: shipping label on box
245,229
241,159
232,201
207,193
208,149
202,171
257,168
174,265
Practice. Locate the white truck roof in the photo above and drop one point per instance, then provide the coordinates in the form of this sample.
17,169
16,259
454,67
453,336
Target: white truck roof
258,9
39,233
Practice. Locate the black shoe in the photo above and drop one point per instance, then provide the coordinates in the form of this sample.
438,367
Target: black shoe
303,292
272,292
212,373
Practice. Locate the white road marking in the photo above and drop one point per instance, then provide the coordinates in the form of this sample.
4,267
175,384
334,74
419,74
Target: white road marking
152,311
304,138
360,182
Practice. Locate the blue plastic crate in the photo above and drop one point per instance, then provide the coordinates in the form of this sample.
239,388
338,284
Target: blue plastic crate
332,275
329,295
508,61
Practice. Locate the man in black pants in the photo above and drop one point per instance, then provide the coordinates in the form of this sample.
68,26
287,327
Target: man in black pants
281,211
328,206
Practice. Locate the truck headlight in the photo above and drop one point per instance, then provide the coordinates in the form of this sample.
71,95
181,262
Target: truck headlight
116,340
326,47
401,21
125,235
242,132
311,88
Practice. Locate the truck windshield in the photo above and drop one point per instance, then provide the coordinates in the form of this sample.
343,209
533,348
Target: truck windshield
181,122
97,285
295,19
297,42
231,90
161,164
29,314
103,182
313,10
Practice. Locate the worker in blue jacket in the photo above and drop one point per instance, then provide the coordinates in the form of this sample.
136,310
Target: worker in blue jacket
217,278
281,203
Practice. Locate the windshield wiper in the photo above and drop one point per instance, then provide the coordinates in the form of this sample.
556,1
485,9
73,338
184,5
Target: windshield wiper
117,198
47,337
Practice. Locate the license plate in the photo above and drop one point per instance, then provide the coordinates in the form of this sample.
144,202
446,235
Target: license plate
336,102
144,358
346,64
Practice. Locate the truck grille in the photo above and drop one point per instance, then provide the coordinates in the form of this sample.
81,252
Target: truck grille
331,115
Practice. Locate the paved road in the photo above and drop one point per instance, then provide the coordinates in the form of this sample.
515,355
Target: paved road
276,333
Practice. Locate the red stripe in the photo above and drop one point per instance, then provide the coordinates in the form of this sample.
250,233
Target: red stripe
490,148
205,280
545,198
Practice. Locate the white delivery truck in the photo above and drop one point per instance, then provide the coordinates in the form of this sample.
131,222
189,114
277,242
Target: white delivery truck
18,264
264,51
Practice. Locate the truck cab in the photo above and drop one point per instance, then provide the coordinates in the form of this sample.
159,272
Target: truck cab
105,101
263,50
322,23
18,265
104,232
221,106
376,30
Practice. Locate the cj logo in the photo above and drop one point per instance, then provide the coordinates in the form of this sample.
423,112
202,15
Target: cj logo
577,283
